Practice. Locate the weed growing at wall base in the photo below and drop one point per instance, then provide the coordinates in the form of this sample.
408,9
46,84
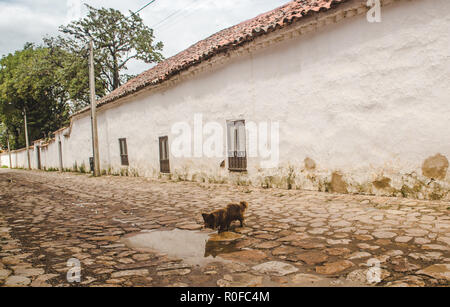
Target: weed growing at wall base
82,168
51,169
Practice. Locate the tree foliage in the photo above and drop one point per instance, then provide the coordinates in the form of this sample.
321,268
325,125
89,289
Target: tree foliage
50,82
73,73
117,40
29,83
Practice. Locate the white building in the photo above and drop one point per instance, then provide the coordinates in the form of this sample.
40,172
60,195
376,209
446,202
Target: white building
361,107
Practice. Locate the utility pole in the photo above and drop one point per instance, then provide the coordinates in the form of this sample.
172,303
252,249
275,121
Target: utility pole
9,150
93,110
26,137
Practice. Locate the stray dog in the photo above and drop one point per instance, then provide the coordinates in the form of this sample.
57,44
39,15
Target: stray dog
224,217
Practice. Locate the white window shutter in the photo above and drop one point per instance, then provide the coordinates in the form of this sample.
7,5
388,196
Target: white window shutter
231,139
241,139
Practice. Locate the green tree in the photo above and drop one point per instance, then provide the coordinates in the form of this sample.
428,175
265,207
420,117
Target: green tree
29,83
72,72
3,136
50,82
117,39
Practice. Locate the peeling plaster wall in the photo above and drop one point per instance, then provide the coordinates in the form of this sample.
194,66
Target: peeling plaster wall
363,101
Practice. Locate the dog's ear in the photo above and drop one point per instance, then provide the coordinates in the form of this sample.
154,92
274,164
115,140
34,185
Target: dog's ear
244,204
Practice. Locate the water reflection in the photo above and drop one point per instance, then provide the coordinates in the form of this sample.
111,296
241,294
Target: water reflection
195,248
216,248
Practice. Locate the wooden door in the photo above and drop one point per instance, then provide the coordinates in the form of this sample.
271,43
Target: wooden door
164,154
124,152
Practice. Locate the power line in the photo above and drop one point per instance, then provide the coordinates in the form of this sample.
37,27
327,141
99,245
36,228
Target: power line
182,16
166,18
175,13
134,14
144,7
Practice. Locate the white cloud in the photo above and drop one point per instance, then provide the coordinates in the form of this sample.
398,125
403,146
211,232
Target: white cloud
20,24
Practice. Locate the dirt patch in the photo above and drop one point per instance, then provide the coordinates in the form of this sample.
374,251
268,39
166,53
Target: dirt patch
338,185
435,167
382,183
310,164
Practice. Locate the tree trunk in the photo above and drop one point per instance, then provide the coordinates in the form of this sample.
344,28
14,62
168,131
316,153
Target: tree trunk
26,138
9,151
16,138
116,75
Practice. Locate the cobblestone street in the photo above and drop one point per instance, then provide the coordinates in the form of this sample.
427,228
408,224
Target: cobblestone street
291,238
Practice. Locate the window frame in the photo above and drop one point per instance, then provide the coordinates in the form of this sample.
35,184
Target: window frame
123,147
237,158
164,155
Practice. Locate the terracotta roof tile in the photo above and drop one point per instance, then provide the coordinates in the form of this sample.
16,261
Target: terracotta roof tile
221,42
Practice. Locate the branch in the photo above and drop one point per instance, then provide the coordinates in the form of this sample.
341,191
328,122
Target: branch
126,60
109,81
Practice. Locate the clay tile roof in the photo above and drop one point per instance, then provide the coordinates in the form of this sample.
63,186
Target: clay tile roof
220,42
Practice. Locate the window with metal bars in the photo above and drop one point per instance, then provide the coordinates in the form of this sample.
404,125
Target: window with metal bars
124,152
237,153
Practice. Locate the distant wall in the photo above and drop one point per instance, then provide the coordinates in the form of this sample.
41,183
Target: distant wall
4,160
19,158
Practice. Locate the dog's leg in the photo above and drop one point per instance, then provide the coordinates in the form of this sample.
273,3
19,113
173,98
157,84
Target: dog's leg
242,222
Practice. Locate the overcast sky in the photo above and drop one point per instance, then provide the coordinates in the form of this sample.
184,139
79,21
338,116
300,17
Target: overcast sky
177,23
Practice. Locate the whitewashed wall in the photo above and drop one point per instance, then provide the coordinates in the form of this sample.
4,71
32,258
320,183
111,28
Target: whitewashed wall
4,160
366,100
19,158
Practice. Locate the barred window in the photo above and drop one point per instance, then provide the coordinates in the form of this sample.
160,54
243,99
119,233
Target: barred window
124,152
237,152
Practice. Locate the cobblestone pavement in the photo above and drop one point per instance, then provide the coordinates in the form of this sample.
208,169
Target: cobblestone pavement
291,238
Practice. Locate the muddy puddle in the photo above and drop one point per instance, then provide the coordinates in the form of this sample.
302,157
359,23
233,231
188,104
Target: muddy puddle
196,248
200,249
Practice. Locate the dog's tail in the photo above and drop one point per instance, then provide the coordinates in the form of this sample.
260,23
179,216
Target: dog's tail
244,205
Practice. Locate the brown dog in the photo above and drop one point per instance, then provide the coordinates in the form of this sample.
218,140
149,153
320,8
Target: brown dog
224,217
